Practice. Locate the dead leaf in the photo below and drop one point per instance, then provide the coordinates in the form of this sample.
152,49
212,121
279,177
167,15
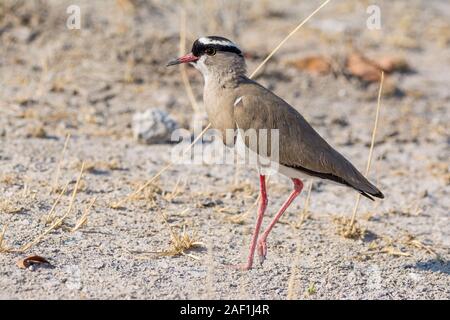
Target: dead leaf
370,70
363,68
31,260
313,64
393,64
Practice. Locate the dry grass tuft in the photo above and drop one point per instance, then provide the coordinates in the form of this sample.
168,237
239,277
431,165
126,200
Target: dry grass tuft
9,206
397,247
150,193
10,179
51,218
347,229
56,222
180,243
37,131
412,241
386,246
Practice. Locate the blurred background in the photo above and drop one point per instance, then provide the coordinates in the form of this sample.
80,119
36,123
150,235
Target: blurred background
96,77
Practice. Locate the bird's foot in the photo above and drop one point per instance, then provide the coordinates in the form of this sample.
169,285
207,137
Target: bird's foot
262,250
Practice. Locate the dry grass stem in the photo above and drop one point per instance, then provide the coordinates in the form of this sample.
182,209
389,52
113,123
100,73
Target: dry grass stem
390,250
50,216
58,169
349,232
287,38
176,191
3,247
83,219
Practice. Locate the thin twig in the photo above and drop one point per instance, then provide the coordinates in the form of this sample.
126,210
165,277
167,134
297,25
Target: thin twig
58,222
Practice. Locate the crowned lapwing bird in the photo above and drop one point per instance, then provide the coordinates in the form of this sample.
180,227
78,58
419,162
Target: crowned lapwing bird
235,102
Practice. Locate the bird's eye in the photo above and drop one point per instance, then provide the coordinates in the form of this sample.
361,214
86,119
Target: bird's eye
210,51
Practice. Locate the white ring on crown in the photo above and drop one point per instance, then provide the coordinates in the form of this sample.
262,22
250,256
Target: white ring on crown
205,40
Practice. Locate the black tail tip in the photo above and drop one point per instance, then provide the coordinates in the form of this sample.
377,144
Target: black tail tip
379,194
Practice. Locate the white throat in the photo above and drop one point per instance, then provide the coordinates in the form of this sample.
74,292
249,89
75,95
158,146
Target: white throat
201,66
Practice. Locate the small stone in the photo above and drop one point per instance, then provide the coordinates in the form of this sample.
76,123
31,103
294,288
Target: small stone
153,126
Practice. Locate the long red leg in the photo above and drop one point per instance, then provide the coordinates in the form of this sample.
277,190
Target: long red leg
259,219
262,243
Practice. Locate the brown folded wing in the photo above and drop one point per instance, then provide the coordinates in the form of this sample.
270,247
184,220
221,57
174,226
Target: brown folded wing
300,147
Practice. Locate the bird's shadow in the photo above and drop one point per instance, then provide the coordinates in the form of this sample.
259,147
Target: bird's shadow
434,265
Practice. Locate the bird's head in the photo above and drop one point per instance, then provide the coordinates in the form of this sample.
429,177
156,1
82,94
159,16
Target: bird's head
213,54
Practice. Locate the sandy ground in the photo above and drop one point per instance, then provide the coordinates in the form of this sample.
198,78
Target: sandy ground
89,82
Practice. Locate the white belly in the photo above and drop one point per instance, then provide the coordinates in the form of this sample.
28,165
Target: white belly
264,165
